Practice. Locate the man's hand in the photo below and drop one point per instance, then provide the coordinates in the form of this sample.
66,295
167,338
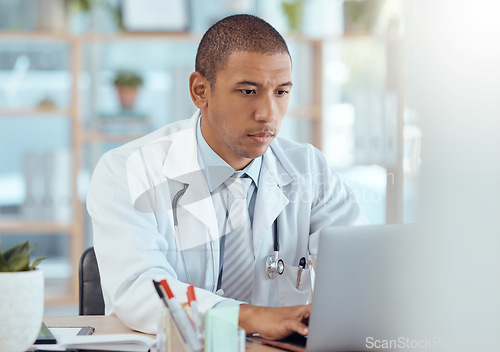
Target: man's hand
274,323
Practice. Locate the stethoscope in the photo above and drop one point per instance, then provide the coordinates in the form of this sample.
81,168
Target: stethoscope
274,265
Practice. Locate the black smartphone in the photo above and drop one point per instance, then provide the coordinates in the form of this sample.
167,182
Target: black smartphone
86,330
45,337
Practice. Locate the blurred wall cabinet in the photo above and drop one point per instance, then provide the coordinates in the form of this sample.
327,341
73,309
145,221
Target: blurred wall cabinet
39,154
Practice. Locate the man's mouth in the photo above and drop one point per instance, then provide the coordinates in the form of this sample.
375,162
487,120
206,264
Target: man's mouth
262,134
262,137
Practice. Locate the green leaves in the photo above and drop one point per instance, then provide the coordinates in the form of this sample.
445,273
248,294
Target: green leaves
127,79
18,258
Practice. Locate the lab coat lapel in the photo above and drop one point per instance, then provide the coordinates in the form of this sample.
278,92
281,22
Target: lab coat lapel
181,164
270,199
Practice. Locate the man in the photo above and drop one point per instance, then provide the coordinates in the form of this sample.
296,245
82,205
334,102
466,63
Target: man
163,206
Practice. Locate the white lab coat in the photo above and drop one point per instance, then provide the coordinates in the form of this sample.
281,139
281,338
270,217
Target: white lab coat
130,199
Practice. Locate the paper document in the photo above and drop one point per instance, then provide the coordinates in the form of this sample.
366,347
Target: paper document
115,342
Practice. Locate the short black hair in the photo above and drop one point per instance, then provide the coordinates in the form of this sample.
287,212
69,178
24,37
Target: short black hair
237,33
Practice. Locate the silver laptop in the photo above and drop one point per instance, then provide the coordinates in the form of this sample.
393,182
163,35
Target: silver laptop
365,288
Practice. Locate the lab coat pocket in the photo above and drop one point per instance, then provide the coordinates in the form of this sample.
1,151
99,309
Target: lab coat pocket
287,285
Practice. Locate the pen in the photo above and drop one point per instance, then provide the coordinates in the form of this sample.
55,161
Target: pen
181,319
302,265
160,292
196,313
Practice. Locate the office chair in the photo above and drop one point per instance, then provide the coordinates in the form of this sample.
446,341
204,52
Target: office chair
91,300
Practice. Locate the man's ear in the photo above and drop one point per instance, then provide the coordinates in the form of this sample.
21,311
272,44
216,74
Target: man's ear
199,88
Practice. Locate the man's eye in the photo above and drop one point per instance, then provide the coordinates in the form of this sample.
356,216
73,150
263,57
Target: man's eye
248,91
282,92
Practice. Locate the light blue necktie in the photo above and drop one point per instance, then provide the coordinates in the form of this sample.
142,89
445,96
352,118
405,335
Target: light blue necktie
238,267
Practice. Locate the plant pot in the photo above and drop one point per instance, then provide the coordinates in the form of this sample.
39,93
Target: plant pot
127,96
21,309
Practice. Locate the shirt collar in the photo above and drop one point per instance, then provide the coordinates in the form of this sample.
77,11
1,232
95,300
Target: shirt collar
216,169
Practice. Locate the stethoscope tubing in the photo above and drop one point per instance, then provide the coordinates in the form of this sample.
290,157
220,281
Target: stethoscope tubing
175,203
273,260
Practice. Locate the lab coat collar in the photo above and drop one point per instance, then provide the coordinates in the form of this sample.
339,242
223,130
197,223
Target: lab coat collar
182,165
181,161
270,198
271,162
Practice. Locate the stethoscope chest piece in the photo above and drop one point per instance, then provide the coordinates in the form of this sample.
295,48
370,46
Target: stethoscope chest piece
274,265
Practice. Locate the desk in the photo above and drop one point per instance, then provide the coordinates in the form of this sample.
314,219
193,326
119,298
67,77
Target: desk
113,325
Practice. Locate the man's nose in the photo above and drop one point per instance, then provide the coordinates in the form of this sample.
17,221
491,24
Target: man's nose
266,110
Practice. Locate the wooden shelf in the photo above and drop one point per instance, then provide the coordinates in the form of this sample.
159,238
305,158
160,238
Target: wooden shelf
92,136
34,112
12,36
6,36
35,227
147,36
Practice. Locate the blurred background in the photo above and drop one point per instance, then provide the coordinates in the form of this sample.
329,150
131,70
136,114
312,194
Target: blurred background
79,77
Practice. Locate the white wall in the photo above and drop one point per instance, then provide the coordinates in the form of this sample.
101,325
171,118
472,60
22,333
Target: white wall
454,85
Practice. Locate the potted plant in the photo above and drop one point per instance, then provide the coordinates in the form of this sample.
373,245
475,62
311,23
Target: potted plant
293,11
127,84
360,16
21,298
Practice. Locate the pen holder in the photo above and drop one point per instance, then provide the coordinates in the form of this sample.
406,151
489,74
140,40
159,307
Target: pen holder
168,336
221,332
